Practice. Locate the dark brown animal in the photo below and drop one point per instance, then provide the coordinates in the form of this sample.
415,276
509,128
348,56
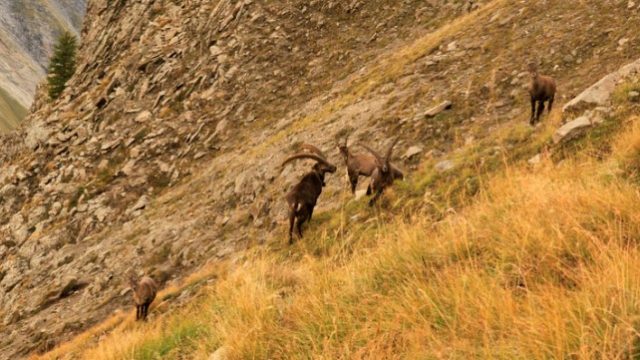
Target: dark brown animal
361,165
383,176
542,89
144,292
303,197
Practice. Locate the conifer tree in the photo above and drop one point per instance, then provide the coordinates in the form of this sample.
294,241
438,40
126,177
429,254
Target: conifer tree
62,64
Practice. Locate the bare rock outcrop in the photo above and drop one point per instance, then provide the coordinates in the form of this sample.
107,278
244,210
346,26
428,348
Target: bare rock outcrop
599,94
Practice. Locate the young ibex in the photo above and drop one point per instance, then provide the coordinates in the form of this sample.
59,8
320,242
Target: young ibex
383,175
541,89
144,292
361,165
303,197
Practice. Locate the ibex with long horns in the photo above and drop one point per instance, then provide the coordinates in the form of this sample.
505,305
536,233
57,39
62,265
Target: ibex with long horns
384,174
303,197
361,165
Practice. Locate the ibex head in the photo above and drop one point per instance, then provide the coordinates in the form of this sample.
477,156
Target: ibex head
344,148
321,166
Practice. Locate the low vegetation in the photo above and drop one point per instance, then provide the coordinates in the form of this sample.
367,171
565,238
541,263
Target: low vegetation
541,262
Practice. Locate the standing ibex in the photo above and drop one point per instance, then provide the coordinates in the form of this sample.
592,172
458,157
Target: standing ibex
357,164
383,175
144,292
303,197
541,89
361,165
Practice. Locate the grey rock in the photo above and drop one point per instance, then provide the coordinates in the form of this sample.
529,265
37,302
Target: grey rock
445,105
110,145
445,165
18,228
600,93
102,213
143,116
575,127
141,203
36,134
412,151
535,160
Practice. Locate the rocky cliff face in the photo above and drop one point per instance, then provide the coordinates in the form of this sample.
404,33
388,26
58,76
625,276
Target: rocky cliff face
163,152
28,30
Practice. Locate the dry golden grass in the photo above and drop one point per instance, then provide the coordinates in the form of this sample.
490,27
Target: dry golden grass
544,264
123,323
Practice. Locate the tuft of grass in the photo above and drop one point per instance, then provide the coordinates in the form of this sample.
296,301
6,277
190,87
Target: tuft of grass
541,264
169,343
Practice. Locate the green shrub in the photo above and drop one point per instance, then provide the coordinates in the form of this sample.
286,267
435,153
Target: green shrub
62,64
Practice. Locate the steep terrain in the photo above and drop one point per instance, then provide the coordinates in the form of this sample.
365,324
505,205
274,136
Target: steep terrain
163,155
28,30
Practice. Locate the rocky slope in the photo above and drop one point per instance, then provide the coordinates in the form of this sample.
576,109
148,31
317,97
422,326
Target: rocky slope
28,30
163,152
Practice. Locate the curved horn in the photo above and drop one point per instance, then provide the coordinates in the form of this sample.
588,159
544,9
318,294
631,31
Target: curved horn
346,140
305,156
373,152
314,149
390,151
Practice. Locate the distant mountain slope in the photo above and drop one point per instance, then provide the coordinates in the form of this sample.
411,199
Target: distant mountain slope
11,111
28,30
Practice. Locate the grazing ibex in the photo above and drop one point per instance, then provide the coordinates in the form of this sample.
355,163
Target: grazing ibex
144,292
541,89
303,197
361,165
384,174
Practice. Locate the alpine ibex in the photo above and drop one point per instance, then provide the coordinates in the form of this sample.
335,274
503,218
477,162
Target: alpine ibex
361,165
542,88
383,175
303,197
144,292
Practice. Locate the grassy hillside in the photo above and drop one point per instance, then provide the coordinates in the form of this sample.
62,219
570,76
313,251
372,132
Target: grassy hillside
11,112
542,263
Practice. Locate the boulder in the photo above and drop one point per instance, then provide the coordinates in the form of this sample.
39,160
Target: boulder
143,116
575,127
412,151
445,165
445,105
600,93
535,160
